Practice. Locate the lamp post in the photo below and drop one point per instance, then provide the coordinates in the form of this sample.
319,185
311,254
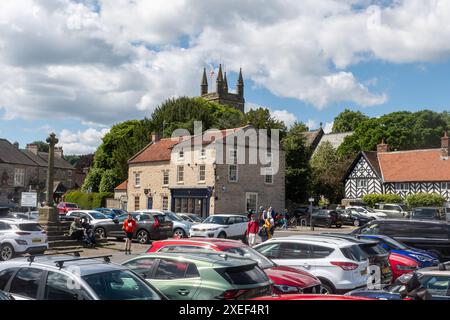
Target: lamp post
311,201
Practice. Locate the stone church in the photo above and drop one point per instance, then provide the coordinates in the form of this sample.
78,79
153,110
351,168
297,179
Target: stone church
222,95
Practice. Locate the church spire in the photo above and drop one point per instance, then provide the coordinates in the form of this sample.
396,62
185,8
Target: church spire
204,84
219,80
225,83
240,84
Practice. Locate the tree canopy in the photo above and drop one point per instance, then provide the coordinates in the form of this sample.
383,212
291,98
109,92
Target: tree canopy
42,146
262,119
348,120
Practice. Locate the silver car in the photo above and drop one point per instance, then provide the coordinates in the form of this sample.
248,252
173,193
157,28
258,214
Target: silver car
180,227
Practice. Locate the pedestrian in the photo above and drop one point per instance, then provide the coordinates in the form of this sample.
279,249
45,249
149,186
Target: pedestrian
76,231
252,230
89,237
129,226
285,215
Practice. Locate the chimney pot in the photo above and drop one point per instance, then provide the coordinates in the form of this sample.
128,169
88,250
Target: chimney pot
155,137
32,148
58,152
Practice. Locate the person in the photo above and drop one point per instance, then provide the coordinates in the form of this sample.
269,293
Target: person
252,230
264,232
89,233
129,226
285,215
272,213
76,231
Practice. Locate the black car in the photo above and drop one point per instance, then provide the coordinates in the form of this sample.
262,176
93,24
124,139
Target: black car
353,218
433,236
426,213
326,218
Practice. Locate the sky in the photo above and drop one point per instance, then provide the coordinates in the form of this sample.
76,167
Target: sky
76,67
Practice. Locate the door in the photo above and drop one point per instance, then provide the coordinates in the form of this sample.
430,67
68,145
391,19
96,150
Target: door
233,228
178,280
297,255
149,203
4,230
26,284
114,229
241,226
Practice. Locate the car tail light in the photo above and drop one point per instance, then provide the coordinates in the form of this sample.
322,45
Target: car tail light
233,294
345,265
21,233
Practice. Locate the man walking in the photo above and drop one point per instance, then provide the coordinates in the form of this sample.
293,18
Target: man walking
252,230
129,226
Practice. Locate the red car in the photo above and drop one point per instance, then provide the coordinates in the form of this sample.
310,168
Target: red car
311,297
64,207
285,280
401,264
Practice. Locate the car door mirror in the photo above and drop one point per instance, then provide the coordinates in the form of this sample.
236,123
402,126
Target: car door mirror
116,220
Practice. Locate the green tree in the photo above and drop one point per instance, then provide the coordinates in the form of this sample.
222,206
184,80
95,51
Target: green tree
93,179
425,200
42,146
262,119
108,181
348,121
72,159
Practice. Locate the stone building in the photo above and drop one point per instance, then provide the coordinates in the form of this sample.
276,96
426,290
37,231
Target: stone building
171,174
222,94
399,172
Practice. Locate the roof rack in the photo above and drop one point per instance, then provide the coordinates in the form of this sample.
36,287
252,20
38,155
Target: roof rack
31,258
60,263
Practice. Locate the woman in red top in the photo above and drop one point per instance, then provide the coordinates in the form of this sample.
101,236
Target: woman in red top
129,226
252,230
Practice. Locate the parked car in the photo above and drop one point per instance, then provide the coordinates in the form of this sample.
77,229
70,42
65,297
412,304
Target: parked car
423,257
34,215
202,276
21,236
368,212
64,207
352,217
433,236
326,218
46,278
392,210
401,264
180,227
221,226
338,263
312,297
111,213
5,296
149,226
92,217
426,213
286,280
190,217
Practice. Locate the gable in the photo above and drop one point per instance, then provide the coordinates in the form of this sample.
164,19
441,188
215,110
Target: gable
361,168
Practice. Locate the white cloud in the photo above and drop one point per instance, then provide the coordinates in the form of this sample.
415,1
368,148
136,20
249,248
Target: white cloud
81,142
312,124
63,59
283,115
328,127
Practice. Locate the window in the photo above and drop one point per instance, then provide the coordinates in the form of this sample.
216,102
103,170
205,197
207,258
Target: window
361,183
295,251
445,185
202,173
137,200
180,174
268,178
142,267
137,179
271,250
165,177
203,153
26,282
251,200
69,173
233,155
165,203
181,154
19,177
5,275
319,252
4,226
169,269
402,186
232,173
244,275
57,287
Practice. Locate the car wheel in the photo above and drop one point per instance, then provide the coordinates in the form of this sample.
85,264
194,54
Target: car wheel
143,237
326,287
6,252
222,235
100,233
356,223
179,233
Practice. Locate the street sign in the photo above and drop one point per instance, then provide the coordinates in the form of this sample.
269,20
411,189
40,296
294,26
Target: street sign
311,199
29,199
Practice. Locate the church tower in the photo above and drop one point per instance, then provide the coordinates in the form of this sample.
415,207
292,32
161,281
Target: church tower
222,94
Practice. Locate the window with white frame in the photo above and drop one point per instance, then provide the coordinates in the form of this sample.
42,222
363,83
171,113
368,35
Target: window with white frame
137,179
201,173
402,186
19,177
251,201
268,178
232,173
165,177
180,174
165,203
445,185
361,183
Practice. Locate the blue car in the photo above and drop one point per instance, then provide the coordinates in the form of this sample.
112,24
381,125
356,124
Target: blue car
111,213
423,257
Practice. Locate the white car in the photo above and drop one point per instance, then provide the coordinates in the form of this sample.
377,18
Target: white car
338,263
231,226
369,212
21,236
92,216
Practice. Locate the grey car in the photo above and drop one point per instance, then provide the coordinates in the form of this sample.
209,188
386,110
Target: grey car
150,226
180,227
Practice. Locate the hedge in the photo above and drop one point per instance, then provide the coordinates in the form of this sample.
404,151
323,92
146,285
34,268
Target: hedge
88,201
372,199
425,200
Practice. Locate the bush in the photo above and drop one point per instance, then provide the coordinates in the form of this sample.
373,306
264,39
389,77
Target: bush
425,200
87,201
372,199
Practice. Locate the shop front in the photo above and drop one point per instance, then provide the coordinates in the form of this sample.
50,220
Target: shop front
194,201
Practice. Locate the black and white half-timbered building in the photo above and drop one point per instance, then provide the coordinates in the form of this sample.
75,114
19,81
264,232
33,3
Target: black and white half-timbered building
399,172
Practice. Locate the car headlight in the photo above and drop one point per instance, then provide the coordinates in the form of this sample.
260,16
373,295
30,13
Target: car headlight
287,289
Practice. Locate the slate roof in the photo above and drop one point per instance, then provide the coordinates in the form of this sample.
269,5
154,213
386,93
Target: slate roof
336,139
10,154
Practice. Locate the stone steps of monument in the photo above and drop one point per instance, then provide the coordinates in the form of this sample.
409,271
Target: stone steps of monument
56,237
63,243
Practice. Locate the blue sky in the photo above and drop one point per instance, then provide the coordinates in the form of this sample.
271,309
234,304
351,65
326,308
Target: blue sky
77,67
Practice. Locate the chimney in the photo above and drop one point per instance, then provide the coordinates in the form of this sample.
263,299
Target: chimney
444,146
58,152
382,147
33,148
155,137
16,144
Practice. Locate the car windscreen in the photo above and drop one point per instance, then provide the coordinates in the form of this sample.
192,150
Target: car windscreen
216,220
97,215
354,253
424,213
30,227
71,205
172,216
120,285
243,275
195,218
263,262
436,285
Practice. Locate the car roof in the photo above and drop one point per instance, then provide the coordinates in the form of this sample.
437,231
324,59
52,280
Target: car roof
316,239
350,238
411,221
203,241
228,215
